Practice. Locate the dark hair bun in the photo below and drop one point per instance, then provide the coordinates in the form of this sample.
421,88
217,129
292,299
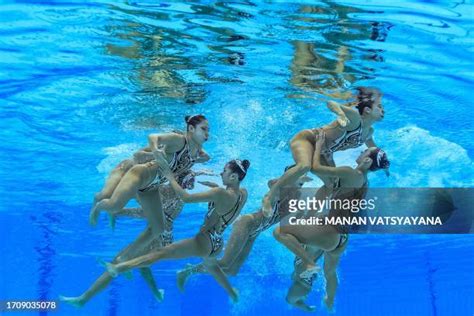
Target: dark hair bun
246,164
186,118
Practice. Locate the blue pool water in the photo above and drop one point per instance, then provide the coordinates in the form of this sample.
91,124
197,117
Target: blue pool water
83,83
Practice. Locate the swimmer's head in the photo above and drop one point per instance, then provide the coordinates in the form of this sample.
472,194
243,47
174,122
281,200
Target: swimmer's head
301,180
198,127
369,103
373,159
235,171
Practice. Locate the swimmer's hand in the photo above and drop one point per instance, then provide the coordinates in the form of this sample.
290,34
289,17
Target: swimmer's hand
341,116
320,139
209,184
159,154
343,120
160,159
165,171
142,156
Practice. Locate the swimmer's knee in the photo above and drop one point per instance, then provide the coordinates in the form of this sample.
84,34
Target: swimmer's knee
137,170
99,196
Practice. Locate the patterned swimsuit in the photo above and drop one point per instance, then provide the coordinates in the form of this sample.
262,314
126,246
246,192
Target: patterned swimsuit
267,222
215,232
181,162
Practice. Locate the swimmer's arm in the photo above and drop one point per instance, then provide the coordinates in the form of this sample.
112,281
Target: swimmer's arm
344,110
143,155
339,172
370,140
209,184
203,157
207,196
171,142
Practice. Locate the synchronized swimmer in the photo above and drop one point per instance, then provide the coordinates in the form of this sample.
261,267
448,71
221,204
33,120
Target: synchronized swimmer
159,175
352,129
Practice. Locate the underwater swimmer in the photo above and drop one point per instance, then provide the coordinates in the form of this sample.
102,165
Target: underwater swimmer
143,180
172,206
352,129
245,231
224,205
350,183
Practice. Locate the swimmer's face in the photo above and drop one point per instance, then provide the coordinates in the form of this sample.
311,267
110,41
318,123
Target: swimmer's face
228,176
377,111
364,159
200,133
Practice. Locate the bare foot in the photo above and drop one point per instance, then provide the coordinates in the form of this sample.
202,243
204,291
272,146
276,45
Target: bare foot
303,306
182,276
94,214
235,295
159,295
76,301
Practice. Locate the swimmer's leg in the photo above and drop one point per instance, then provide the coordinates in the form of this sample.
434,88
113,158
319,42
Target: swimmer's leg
148,276
331,261
294,245
236,251
233,268
153,211
296,296
183,275
137,177
213,267
302,151
324,191
101,283
186,248
238,246
136,248
132,250
113,180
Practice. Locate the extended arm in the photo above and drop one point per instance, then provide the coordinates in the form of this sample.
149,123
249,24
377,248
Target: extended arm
203,157
370,140
207,196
